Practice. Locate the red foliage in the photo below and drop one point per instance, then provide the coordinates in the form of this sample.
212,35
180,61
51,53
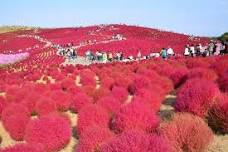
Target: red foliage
186,132
24,148
14,110
136,141
197,96
92,138
79,101
107,82
197,63
87,77
220,66
149,97
30,100
45,106
120,93
123,81
99,93
92,115
2,105
15,125
68,83
218,115
62,99
110,103
53,131
179,76
223,82
15,94
140,82
135,115
202,73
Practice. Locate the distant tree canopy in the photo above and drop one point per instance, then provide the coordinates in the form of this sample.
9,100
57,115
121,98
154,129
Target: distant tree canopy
224,37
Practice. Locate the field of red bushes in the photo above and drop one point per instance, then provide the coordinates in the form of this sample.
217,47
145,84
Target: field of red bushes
174,105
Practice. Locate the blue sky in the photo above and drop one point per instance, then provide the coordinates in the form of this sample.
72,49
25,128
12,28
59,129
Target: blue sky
198,17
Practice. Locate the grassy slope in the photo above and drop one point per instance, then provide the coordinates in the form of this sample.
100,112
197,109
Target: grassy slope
5,29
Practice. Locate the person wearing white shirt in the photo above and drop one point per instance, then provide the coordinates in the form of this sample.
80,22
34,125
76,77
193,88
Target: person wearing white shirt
170,52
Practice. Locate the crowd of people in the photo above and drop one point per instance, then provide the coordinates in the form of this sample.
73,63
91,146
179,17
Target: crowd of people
213,48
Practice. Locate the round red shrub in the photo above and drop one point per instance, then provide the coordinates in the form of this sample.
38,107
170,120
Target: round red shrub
99,93
68,83
158,144
202,73
120,93
13,110
24,148
15,94
45,106
52,131
92,138
15,125
123,81
92,115
197,96
135,141
107,82
187,132
87,77
196,63
140,82
149,97
2,105
135,115
89,90
62,99
223,82
30,100
179,76
220,66
79,101
110,103
218,115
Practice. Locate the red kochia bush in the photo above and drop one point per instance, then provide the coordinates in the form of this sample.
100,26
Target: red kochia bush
80,100
52,131
16,125
110,103
120,93
2,105
179,76
187,132
45,106
218,115
87,77
197,96
14,109
148,96
202,73
135,115
107,82
220,66
99,93
92,115
135,141
223,82
30,100
92,138
62,99
15,94
24,148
